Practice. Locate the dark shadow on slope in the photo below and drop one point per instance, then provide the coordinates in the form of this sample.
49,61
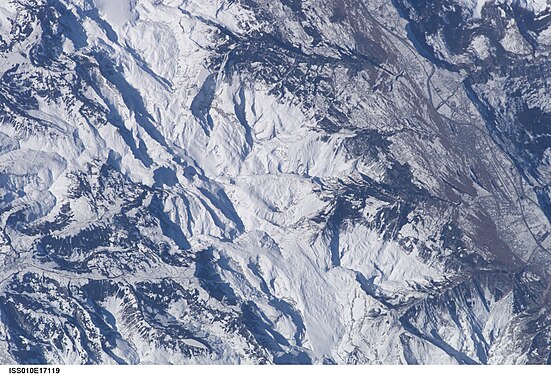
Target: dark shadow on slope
83,68
19,336
131,97
220,200
209,278
282,306
71,27
201,104
461,358
169,228
258,324
239,108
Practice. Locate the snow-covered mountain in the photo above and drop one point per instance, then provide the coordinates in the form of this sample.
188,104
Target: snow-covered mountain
288,181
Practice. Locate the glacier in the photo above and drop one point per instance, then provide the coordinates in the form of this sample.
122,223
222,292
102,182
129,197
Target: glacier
286,182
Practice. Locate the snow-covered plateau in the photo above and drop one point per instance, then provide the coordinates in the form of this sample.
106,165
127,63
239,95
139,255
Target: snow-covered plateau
275,181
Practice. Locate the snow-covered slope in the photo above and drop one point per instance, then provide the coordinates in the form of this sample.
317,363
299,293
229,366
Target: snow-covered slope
251,181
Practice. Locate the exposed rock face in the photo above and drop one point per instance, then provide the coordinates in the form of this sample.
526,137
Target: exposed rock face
256,181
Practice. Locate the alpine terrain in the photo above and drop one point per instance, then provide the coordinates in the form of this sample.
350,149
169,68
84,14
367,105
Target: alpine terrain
275,181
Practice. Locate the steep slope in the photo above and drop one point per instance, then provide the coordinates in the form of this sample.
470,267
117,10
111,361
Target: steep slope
274,182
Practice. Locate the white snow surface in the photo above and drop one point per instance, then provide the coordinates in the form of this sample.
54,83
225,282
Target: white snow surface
475,6
116,12
248,169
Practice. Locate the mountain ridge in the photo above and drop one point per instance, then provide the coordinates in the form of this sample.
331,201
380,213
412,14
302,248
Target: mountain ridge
274,182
